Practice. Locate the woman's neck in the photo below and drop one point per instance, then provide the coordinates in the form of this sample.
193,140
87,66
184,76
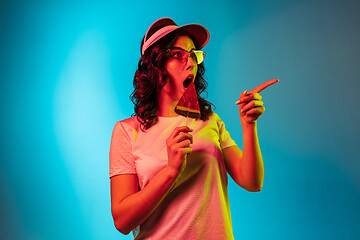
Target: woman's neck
166,106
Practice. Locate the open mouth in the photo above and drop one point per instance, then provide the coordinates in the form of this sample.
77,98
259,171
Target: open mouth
187,81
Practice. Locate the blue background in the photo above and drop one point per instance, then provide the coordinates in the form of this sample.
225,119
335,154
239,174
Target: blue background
66,70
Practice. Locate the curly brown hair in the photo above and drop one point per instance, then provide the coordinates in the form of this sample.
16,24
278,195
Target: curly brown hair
151,76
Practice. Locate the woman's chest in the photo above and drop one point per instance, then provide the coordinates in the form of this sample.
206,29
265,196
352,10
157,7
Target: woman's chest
150,151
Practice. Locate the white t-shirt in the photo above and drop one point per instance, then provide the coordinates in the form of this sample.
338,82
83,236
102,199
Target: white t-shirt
198,206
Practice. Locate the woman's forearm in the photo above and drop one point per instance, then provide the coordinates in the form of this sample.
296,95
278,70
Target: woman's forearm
252,166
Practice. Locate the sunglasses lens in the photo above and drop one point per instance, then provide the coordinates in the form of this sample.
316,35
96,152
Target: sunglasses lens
199,56
182,55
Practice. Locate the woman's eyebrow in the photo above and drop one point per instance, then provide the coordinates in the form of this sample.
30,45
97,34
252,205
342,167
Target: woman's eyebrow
183,49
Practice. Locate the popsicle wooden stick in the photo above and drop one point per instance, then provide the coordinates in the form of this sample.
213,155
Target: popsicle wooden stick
186,123
187,118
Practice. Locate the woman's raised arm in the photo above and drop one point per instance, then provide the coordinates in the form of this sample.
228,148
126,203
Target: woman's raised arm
131,207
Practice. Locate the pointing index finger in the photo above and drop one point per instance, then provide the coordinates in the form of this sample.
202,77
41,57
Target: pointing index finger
264,85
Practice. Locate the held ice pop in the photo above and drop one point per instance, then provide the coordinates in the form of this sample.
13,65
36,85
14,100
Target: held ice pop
188,105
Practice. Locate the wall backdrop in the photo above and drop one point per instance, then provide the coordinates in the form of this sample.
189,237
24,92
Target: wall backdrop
66,70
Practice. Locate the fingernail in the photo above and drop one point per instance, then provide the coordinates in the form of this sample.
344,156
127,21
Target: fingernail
237,101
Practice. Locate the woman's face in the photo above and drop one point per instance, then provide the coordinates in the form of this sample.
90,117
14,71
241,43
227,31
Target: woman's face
180,71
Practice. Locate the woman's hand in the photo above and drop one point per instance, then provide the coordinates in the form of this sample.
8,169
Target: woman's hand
178,146
250,105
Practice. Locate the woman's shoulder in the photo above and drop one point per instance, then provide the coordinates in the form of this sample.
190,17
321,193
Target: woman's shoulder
128,123
214,116
127,127
215,119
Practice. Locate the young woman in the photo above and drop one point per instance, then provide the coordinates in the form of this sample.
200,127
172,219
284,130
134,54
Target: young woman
169,173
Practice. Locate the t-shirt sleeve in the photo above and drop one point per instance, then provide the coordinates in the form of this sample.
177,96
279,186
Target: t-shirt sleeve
224,135
121,157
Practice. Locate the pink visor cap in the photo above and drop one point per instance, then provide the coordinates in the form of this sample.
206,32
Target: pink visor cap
164,26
